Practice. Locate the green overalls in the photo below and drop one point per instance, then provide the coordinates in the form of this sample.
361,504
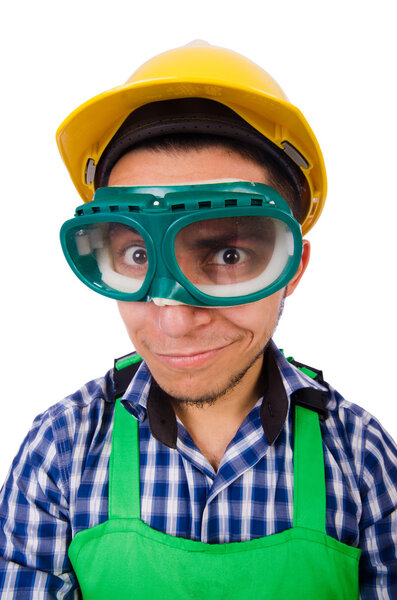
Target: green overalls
125,559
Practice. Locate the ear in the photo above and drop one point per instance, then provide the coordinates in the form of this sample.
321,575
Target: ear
301,269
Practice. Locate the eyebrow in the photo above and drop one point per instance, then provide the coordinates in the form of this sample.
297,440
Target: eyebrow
116,229
215,243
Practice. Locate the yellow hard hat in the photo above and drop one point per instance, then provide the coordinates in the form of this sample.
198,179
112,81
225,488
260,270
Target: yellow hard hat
197,70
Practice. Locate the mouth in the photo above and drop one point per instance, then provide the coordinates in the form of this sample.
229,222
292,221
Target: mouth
190,359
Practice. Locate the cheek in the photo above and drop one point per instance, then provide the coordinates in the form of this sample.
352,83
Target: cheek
258,317
134,314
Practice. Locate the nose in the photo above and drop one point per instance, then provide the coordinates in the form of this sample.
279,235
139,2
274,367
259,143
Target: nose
179,320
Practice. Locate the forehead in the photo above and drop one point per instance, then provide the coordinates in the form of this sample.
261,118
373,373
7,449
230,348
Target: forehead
145,167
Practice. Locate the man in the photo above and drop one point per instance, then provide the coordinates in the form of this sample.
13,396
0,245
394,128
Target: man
207,465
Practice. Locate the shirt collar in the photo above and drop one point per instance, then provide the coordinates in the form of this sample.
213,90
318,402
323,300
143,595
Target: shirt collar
282,382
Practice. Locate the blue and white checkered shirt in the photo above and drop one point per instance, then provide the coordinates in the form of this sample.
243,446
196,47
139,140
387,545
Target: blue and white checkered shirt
58,486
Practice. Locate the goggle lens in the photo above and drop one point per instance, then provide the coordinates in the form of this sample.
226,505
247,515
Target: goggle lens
110,254
233,256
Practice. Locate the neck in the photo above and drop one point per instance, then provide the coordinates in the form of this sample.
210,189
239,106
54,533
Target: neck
212,426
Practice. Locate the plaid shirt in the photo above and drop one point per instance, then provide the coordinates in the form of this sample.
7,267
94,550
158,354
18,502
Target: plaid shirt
58,486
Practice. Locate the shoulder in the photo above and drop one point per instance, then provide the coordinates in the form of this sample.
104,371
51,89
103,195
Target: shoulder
73,426
352,436
360,427
361,447
363,437
341,412
70,411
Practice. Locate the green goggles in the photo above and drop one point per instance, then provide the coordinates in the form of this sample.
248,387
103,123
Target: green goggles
213,244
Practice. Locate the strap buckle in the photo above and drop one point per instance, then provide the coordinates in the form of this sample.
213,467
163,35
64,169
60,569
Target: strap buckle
312,399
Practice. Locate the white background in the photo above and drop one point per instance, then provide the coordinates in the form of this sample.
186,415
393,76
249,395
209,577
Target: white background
337,63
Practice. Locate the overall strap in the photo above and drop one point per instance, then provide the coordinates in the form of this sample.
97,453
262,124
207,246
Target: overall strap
124,480
309,474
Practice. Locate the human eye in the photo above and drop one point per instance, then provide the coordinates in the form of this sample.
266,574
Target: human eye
229,256
129,256
134,256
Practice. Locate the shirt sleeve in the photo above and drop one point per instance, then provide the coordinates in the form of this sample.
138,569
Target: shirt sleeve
378,564
35,530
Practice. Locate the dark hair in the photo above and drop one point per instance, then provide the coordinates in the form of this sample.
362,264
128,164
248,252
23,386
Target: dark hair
178,142
196,123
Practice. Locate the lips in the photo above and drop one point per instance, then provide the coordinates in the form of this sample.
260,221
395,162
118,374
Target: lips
191,359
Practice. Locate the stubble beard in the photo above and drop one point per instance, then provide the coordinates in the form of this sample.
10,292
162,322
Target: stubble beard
213,395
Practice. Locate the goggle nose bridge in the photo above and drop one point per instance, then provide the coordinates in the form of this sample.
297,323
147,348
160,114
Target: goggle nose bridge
162,269
164,281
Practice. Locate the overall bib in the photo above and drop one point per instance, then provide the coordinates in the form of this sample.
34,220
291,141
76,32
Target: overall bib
125,559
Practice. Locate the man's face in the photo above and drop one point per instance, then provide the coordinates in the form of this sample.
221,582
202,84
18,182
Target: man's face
196,353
